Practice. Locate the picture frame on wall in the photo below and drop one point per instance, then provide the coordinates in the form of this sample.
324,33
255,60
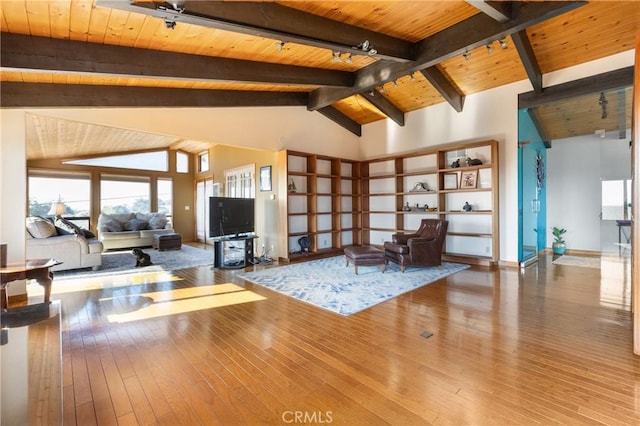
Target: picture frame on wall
469,179
451,181
265,178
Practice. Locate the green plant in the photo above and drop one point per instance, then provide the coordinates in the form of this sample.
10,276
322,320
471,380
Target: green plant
557,234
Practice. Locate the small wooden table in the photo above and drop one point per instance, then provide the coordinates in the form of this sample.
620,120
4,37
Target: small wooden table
31,269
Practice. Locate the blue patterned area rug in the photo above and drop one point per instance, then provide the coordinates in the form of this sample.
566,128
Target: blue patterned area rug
329,284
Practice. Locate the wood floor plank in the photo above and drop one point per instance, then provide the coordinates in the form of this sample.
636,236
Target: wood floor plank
548,345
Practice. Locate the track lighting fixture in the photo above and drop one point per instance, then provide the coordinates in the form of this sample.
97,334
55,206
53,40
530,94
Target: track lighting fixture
366,47
372,92
503,43
381,89
170,24
280,45
349,59
395,83
335,56
489,48
412,77
466,55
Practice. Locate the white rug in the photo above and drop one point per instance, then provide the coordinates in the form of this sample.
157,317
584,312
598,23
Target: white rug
331,285
585,261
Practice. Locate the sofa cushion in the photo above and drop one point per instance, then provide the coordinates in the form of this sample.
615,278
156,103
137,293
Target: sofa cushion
139,224
111,225
40,227
158,221
67,226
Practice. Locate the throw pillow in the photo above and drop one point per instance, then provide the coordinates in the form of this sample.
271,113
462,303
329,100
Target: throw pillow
68,226
88,234
111,226
61,231
39,227
139,225
158,222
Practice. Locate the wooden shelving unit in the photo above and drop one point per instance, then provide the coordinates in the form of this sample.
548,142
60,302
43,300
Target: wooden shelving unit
325,205
390,185
339,203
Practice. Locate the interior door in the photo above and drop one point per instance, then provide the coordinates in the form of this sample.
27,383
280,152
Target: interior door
204,189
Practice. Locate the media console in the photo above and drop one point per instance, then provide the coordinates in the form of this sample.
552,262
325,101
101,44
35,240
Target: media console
225,247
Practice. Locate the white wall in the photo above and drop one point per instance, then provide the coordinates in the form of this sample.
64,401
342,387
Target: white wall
575,168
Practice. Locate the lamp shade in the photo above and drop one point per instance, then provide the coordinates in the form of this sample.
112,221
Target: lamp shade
57,209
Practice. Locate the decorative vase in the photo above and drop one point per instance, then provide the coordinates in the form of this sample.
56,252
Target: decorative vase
559,248
406,208
467,207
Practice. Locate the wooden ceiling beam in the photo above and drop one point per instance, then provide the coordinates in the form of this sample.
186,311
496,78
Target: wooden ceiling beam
500,11
611,80
341,119
528,58
473,32
533,114
385,106
443,85
41,54
272,20
15,94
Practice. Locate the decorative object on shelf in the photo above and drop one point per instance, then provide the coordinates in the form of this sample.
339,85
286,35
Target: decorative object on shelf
559,245
451,181
469,179
292,186
473,161
455,164
406,208
419,186
305,243
467,207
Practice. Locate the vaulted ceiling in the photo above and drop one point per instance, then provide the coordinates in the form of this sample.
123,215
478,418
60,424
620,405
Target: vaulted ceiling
355,62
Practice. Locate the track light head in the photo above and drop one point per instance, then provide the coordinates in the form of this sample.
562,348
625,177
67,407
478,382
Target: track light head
349,59
335,56
489,48
466,55
170,24
279,45
503,43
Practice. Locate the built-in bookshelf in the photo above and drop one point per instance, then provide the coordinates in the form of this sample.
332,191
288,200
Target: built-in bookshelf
322,205
399,191
336,203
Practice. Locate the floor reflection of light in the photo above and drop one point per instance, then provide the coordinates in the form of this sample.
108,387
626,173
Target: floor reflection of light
73,284
177,301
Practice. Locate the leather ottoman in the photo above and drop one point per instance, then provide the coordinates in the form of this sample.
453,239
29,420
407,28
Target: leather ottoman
364,256
171,241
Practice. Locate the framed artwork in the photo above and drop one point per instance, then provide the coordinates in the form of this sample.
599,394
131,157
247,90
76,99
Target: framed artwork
450,181
469,179
265,178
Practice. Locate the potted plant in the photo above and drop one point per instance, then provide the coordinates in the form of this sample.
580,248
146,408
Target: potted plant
558,242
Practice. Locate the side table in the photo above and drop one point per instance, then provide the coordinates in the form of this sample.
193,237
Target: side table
31,269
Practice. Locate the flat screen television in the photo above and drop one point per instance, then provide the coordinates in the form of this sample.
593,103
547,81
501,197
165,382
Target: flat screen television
231,217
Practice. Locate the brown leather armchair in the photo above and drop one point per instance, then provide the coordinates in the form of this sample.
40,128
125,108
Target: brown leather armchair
421,248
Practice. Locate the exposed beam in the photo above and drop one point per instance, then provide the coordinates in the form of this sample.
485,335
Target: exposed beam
342,120
528,58
272,20
607,81
499,11
37,54
533,114
447,90
622,114
473,32
385,106
16,94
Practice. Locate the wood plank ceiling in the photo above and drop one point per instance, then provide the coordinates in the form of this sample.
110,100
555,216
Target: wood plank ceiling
120,53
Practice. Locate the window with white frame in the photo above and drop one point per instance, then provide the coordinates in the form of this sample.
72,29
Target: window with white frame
240,182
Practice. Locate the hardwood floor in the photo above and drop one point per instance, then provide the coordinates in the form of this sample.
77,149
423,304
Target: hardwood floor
550,345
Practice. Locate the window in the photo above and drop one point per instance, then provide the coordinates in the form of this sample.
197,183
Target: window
616,199
124,194
203,162
46,188
182,162
165,196
240,182
157,161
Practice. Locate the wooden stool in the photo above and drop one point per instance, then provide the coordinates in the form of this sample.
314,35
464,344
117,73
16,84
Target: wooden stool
171,241
365,256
